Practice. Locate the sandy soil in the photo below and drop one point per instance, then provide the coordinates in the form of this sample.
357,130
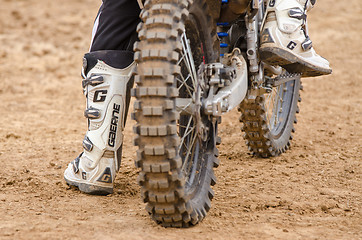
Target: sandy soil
314,191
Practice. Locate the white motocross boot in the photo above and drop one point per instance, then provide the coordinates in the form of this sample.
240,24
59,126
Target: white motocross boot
107,87
285,41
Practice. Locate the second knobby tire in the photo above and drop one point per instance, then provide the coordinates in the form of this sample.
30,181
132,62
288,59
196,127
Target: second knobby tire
268,120
176,148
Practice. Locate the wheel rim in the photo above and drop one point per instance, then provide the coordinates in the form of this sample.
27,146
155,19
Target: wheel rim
190,127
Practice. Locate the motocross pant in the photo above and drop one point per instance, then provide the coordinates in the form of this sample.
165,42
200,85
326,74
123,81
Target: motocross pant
115,25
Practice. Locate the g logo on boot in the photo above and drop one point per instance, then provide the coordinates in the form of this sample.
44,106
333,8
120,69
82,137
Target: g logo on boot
106,177
266,37
292,45
100,96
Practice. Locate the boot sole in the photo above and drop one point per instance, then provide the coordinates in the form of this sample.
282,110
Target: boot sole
89,188
279,57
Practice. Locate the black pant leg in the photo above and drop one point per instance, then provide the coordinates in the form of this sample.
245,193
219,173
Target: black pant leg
115,26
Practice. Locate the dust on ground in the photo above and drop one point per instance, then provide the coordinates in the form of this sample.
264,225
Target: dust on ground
311,192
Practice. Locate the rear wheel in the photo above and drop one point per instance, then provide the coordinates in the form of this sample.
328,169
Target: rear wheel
268,120
177,150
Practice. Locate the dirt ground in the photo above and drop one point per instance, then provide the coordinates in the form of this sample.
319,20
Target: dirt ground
314,191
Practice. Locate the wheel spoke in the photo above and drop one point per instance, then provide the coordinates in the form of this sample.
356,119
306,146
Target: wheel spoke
274,102
184,83
186,132
189,151
180,60
188,59
276,107
184,108
278,93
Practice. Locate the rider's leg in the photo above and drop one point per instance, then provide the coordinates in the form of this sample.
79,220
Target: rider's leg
115,25
232,10
285,39
107,71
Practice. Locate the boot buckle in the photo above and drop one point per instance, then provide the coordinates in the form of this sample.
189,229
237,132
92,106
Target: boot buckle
93,81
92,113
297,13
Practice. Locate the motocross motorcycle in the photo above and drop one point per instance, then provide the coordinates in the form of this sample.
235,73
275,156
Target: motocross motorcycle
197,60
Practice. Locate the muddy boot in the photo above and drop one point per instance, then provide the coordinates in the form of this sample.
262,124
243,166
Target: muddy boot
107,87
285,40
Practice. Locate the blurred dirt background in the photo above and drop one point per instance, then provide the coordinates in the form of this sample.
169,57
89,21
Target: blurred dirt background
314,191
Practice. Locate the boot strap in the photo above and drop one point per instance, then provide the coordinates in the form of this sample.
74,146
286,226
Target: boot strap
94,80
87,144
297,13
92,113
307,44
